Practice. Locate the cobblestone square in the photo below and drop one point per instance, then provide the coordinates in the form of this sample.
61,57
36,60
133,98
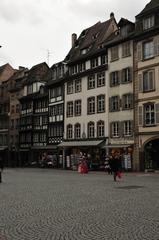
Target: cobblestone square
47,204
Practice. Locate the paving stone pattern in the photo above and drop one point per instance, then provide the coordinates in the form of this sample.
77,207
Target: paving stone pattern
46,204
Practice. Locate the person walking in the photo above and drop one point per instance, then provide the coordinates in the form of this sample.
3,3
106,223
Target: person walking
116,167
1,164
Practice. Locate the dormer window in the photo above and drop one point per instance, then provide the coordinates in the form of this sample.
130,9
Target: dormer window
148,22
84,51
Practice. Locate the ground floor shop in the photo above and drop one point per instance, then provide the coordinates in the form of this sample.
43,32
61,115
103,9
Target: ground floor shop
149,152
92,151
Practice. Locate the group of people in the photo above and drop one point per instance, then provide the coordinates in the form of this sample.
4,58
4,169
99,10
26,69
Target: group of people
113,165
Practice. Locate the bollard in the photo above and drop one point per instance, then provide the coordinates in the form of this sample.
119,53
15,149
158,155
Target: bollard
0,176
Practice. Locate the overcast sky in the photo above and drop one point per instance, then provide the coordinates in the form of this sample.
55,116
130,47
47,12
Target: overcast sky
32,28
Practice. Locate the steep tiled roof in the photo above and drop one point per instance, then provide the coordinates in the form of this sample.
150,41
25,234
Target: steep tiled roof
37,73
149,7
90,39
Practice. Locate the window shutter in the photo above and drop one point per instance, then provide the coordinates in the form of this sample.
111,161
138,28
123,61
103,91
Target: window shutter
130,74
156,46
110,104
157,113
110,77
140,115
139,51
119,76
151,79
132,127
123,102
111,134
122,76
140,82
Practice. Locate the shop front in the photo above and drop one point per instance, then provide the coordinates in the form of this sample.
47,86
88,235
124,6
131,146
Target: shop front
45,156
92,151
151,155
125,152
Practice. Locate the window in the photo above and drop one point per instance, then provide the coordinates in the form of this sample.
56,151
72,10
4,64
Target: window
114,79
126,75
70,109
127,128
42,137
81,67
114,103
70,87
115,129
35,137
104,60
148,81
127,101
149,114
114,53
30,89
148,50
91,82
78,86
69,132
77,131
100,79
148,22
91,105
101,103
12,109
126,49
91,133
74,69
77,107
100,129
94,63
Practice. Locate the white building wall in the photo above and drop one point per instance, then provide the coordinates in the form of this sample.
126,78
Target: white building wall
84,118
120,90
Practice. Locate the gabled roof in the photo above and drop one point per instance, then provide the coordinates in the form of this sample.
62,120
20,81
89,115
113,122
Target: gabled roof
37,73
153,4
90,39
124,21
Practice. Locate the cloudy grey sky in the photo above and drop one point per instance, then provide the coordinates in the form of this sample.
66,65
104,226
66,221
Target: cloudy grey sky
31,28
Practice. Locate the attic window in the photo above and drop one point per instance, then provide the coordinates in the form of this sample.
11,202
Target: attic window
148,22
95,36
85,50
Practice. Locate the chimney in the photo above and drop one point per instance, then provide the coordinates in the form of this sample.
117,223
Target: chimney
74,38
112,15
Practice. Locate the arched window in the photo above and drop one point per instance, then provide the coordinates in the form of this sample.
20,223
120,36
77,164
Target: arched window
91,132
77,131
69,131
100,129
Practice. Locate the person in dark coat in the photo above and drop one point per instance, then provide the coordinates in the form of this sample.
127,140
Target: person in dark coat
115,166
1,164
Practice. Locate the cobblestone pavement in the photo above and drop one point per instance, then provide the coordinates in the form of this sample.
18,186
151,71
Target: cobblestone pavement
46,204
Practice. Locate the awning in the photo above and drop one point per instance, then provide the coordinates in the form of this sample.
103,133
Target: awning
117,146
80,143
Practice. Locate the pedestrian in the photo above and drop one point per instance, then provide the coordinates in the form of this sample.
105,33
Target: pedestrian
116,166
1,164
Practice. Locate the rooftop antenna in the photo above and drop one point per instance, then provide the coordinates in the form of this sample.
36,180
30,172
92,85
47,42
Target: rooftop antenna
48,56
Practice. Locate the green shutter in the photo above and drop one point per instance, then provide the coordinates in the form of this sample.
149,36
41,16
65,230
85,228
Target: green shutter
139,51
157,112
140,82
156,46
140,115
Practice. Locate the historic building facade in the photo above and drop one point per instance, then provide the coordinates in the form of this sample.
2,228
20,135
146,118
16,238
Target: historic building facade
6,71
86,105
120,92
146,88
33,118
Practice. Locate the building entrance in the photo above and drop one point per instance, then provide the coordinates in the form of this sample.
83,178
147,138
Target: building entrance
151,151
